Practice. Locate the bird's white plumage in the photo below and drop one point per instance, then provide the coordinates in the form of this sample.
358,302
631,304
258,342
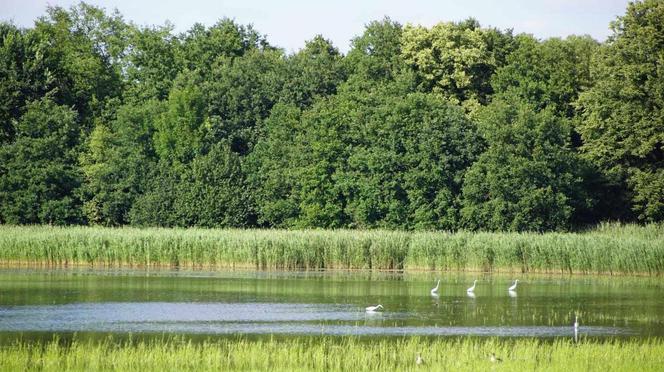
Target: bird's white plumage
434,290
472,289
371,309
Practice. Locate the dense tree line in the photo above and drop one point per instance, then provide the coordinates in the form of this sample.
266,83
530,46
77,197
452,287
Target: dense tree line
450,127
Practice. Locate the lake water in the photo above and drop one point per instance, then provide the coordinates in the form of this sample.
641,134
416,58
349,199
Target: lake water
40,303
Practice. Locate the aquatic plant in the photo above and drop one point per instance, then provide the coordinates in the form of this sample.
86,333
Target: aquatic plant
610,249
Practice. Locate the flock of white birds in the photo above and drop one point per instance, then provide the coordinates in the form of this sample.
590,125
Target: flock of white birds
470,291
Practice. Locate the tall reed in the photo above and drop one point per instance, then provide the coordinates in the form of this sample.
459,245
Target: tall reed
605,249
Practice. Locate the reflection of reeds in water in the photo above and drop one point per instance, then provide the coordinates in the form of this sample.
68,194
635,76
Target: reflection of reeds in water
341,353
607,249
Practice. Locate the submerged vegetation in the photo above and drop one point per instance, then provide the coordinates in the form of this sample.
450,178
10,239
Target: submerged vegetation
606,249
338,354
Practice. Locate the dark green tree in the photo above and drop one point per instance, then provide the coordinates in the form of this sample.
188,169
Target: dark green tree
240,93
200,47
153,63
529,178
315,71
118,157
39,181
623,113
211,191
551,73
274,165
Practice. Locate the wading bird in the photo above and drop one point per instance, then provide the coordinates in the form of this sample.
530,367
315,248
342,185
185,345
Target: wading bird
419,361
493,358
576,328
371,309
472,289
513,287
434,291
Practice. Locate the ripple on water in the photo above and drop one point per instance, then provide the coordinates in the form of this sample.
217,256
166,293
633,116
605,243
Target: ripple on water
251,318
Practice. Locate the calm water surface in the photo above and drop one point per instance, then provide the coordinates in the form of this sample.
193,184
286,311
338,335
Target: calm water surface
99,302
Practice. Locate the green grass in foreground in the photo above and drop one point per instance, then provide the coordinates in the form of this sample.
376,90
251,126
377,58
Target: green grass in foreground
347,354
605,249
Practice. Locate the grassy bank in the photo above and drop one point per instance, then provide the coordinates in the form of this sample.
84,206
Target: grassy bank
606,249
347,354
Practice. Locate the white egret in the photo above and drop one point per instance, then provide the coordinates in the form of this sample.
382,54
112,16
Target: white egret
419,361
434,291
576,328
371,309
472,289
493,358
513,287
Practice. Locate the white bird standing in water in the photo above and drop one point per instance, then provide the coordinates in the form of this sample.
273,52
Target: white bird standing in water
434,291
472,289
371,309
576,328
513,287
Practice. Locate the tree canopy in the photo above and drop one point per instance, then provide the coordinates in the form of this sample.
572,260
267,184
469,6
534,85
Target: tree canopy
453,126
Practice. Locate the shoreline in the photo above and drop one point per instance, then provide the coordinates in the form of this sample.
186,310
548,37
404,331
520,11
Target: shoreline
252,269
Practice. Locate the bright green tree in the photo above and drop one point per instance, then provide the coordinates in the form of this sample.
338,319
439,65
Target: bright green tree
456,60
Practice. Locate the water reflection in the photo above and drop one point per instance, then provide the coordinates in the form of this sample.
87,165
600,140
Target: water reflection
315,303
258,318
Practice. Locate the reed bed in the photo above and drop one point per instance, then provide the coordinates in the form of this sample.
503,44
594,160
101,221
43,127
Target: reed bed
608,248
330,354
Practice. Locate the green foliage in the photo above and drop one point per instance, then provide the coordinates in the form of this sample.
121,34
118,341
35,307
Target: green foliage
153,63
448,127
180,129
201,47
240,93
211,191
376,55
379,157
529,177
551,73
119,154
273,168
455,59
623,114
39,182
313,72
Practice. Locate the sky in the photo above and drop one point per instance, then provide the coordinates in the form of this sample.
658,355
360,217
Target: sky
289,23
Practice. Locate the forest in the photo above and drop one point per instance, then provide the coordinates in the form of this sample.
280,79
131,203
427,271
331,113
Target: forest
451,127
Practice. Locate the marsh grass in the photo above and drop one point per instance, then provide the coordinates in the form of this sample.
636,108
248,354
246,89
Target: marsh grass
611,249
347,353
